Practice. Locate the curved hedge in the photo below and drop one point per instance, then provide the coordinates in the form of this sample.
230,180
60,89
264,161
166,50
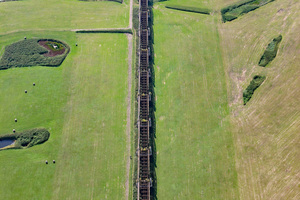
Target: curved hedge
237,9
27,138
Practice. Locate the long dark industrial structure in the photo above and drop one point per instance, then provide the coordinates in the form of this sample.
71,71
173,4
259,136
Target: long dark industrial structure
144,152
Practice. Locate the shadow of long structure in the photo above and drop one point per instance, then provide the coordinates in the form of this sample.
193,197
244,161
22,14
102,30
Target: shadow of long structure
146,148
152,103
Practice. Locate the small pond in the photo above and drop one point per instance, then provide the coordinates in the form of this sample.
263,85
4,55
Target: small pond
6,142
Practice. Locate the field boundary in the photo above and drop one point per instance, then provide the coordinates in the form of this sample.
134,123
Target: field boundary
104,30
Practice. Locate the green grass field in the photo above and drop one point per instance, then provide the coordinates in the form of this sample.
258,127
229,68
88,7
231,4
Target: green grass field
267,130
82,104
62,15
209,145
195,152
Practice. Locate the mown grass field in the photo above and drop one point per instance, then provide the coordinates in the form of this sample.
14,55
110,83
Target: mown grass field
62,15
267,130
82,104
195,151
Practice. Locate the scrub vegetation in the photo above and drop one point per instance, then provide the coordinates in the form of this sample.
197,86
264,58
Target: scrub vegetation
29,52
28,138
235,10
270,52
254,84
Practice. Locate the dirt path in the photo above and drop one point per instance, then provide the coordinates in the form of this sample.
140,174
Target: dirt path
130,13
128,101
128,114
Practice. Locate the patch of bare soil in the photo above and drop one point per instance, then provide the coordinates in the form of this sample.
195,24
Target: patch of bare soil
51,52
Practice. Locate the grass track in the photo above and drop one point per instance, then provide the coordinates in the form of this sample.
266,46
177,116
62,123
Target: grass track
194,144
83,105
61,15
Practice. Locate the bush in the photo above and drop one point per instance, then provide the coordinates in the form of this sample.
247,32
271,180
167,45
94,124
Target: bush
119,1
190,9
270,52
28,52
254,84
28,138
233,11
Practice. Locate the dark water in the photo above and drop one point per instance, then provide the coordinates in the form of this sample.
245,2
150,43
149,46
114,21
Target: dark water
6,142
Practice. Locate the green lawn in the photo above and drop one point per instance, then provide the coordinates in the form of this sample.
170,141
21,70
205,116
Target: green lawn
195,152
82,104
61,15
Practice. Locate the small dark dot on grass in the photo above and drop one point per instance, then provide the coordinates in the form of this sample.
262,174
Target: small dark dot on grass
76,44
14,130
25,91
33,84
16,120
53,161
25,38
46,162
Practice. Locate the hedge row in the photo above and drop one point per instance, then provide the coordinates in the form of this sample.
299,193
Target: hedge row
27,53
190,9
270,52
28,138
7,0
119,1
254,84
106,31
233,11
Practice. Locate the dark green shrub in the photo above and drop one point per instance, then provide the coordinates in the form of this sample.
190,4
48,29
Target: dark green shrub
128,30
28,52
28,138
254,84
190,9
233,11
119,1
270,52
135,17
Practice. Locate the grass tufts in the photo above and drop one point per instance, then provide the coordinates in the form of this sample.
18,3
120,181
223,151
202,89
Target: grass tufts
190,9
254,84
270,52
233,11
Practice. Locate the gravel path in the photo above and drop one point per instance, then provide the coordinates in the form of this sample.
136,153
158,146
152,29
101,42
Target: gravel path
128,101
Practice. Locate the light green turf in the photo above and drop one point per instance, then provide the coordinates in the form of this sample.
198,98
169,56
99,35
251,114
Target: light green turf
195,153
61,15
82,104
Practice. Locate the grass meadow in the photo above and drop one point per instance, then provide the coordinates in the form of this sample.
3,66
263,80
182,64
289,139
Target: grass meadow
82,104
52,15
266,130
195,152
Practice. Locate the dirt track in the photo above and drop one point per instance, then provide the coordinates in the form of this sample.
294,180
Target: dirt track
51,53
